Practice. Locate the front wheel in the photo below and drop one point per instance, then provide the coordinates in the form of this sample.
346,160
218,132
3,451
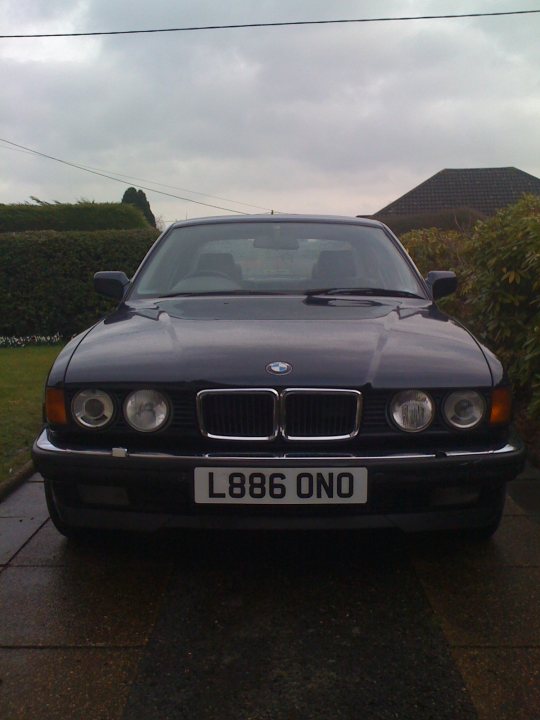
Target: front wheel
485,532
73,532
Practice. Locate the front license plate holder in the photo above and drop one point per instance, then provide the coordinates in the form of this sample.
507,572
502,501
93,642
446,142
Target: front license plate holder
280,486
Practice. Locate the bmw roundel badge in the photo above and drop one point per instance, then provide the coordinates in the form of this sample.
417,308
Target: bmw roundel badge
279,368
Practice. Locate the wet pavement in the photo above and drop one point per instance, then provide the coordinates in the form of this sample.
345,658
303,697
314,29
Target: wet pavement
269,626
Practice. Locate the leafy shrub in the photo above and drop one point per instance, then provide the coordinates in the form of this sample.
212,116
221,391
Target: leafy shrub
46,284
434,249
498,296
80,216
460,219
504,260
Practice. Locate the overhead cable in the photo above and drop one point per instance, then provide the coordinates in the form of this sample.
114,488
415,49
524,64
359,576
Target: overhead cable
155,182
290,23
120,180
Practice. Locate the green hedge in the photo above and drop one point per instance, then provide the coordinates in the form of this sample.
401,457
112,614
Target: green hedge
498,266
64,217
46,278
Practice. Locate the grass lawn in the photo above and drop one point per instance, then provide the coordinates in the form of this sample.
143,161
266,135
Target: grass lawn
22,377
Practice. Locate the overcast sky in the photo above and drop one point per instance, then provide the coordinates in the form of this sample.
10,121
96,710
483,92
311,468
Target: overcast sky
338,119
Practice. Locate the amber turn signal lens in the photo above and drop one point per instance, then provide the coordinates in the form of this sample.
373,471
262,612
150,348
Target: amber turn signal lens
55,406
501,406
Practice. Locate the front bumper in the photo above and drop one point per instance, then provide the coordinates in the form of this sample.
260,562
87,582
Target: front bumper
159,487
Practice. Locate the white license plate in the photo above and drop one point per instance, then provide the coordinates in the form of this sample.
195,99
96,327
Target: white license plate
280,486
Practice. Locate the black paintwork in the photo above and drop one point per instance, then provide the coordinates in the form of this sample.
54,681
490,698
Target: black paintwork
442,283
340,341
229,340
111,283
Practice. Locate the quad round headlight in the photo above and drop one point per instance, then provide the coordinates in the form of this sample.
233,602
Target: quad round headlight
92,408
412,410
464,409
146,410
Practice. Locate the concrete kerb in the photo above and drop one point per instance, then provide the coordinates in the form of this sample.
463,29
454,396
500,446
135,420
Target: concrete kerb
13,482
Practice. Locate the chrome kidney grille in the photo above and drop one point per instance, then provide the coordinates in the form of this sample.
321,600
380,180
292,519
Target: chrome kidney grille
238,414
265,414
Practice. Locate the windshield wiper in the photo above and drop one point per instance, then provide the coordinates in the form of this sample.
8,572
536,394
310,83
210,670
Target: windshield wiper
362,291
384,292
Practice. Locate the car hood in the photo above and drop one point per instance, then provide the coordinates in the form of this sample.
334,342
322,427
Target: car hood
337,342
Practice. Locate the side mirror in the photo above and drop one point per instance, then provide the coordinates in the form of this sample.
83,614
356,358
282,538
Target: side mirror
442,283
111,283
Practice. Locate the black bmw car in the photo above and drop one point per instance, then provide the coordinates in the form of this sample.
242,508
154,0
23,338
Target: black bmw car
277,372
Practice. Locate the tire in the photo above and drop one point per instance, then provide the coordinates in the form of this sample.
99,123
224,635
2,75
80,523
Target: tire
72,532
483,533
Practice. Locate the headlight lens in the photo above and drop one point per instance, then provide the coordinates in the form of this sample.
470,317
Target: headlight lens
464,409
92,408
412,410
146,410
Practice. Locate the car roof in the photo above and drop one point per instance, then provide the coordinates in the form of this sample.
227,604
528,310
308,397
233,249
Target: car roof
281,217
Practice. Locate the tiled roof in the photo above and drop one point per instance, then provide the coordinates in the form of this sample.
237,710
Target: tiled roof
483,189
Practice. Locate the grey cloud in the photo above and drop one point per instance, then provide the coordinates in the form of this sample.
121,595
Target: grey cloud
350,116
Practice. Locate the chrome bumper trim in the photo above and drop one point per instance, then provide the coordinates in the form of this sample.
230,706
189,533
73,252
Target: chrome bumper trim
119,455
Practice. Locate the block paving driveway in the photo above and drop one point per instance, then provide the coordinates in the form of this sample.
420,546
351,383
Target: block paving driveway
269,626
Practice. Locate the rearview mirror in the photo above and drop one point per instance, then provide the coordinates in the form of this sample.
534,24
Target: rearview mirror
111,283
275,243
278,237
442,283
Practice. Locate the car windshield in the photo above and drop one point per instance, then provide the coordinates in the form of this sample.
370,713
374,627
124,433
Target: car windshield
276,257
